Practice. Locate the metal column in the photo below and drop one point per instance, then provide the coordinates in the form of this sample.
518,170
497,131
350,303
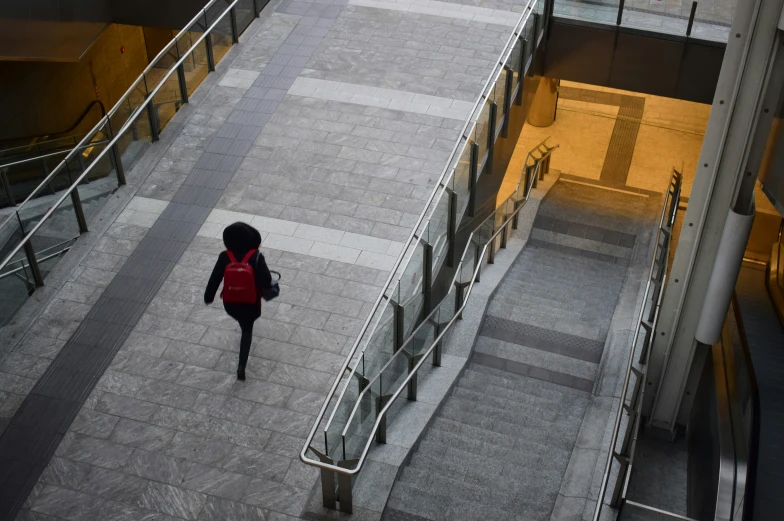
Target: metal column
741,117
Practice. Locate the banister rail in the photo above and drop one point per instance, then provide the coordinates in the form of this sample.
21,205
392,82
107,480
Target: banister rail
470,157
647,320
466,275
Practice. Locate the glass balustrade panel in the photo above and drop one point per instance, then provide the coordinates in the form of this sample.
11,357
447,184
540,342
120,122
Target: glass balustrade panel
244,13
195,66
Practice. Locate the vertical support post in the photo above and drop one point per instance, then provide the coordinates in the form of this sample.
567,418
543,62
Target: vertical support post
381,433
472,175
115,155
491,247
532,174
10,194
45,168
256,10
540,170
412,384
328,499
503,235
427,276
477,262
521,74
398,326
77,204
345,496
437,348
507,101
515,219
691,18
620,13
451,229
491,131
30,254
152,116
534,40
208,46
235,33
183,83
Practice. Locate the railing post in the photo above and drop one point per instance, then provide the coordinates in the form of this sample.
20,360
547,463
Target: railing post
412,384
183,83
208,46
437,348
381,433
235,36
398,331
345,496
12,202
472,175
532,174
507,101
516,218
30,254
459,296
77,204
45,169
451,229
491,131
503,235
491,247
115,155
152,116
328,497
477,262
256,10
521,75
620,13
427,276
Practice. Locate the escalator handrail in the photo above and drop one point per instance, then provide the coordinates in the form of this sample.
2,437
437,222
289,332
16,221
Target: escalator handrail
66,131
52,154
754,434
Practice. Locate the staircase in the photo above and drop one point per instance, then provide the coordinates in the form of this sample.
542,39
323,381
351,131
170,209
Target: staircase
499,447
497,450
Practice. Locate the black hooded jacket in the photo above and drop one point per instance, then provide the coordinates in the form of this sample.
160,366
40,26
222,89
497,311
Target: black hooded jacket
240,238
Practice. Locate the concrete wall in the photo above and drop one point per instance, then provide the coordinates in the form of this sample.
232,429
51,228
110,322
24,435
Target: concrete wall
58,10
640,61
45,98
163,14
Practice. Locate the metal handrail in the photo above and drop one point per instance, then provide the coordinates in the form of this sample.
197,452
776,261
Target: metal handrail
66,131
439,190
458,313
436,308
128,123
125,97
42,259
663,220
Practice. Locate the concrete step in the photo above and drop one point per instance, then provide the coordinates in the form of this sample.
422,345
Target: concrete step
519,384
562,437
508,415
542,411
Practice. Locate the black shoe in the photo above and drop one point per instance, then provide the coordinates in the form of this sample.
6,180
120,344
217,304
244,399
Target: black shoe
241,373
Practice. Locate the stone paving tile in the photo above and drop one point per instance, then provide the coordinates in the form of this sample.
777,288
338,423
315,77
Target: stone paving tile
168,430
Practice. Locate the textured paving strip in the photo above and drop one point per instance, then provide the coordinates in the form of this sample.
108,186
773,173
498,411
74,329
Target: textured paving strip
163,429
44,417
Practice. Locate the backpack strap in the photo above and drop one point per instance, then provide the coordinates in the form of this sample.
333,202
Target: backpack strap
248,255
232,258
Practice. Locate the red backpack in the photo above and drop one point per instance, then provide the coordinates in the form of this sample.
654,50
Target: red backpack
239,283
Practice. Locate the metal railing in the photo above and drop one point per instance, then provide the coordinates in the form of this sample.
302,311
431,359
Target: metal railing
647,320
359,428
133,118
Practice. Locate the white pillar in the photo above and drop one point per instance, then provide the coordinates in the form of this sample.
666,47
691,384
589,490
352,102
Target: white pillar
743,108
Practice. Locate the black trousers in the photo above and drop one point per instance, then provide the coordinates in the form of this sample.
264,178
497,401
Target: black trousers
246,315
247,336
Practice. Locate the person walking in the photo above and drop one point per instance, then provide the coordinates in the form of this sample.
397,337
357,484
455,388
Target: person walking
245,276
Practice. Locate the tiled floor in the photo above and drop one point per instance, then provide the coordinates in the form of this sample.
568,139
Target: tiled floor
165,430
670,136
